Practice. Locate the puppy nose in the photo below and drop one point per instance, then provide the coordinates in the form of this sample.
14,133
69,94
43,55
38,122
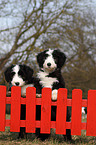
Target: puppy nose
48,64
17,83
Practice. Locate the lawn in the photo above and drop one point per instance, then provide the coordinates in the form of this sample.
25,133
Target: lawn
9,138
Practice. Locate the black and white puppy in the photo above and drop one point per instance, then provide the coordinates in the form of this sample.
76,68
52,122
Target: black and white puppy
50,63
20,75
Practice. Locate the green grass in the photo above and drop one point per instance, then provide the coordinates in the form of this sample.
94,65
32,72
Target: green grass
9,138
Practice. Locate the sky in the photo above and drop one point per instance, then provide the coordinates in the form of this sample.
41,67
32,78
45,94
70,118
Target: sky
12,21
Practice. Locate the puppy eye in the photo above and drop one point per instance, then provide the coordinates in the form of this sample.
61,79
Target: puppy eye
46,55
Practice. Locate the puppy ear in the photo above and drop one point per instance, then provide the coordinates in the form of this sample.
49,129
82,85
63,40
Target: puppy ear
61,58
7,73
27,71
40,57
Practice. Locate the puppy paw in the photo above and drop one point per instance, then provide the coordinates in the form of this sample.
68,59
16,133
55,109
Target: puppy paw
8,93
23,94
38,95
54,95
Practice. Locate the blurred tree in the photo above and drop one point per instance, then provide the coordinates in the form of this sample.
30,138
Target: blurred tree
76,38
34,20
35,25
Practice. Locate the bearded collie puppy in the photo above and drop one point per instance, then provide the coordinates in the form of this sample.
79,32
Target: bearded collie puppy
50,63
21,75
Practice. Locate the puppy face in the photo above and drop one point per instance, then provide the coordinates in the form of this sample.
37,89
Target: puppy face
51,59
17,80
18,75
49,63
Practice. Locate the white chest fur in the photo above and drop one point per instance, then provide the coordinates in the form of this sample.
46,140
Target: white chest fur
46,81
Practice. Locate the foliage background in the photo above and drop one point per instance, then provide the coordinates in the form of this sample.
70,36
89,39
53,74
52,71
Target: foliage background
28,27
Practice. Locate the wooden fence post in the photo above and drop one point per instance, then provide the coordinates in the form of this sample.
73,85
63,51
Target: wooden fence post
91,113
76,112
2,107
15,109
30,110
61,111
46,111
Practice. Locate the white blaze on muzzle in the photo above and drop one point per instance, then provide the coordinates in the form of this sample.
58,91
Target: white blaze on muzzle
17,80
49,63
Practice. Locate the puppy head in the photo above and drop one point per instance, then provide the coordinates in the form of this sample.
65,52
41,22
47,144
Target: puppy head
18,75
51,59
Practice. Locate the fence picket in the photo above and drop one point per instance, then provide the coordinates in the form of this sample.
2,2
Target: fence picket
30,109
91,113
76,112
15,109
2,107
61,111
46,111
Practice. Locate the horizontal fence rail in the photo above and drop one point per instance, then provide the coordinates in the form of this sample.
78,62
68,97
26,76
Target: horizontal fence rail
45,124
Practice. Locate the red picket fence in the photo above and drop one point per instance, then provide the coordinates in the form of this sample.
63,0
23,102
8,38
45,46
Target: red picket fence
45,124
